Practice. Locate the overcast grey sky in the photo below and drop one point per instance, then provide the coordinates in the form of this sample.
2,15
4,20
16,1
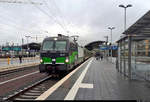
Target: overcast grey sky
89,19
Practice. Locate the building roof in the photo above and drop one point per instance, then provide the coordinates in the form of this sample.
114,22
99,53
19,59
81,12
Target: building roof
92,45
140,27
32,46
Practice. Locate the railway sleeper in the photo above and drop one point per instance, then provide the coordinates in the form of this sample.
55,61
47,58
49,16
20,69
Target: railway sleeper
28,96
39,89
21,99
30,93
35,91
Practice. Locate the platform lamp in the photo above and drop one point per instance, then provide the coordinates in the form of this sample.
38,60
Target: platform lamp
27,45
106,52
111,28
125,7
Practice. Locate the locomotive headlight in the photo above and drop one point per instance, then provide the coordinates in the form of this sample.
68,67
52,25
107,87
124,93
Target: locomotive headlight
55,38
41,60
67,60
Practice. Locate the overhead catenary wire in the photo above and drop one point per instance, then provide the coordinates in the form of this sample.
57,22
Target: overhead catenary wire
12,22
19,2
9,22
50,17
69,23
63,24
60,14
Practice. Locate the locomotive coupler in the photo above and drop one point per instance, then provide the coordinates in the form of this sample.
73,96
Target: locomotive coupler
53,70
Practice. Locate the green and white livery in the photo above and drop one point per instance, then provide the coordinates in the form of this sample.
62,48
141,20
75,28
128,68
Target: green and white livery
59,54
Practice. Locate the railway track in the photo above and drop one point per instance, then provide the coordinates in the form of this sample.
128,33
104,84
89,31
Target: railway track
33,91
7,72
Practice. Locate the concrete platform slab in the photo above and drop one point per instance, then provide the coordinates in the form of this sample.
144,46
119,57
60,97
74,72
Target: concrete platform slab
100,82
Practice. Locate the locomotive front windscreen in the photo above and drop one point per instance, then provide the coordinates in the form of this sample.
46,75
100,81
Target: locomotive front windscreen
54,45
60,45
48,45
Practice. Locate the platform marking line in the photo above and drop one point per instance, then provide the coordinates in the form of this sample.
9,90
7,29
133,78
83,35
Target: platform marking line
18,78
85,85
59,83
78,84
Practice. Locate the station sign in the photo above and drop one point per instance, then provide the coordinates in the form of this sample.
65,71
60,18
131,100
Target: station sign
104,48
108,47
114,47
11,48
16,48
6,49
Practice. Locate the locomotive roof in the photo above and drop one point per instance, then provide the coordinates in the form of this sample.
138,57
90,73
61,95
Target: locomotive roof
60,38
52,38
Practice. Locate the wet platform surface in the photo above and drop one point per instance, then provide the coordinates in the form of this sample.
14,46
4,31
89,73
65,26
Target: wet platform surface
100,82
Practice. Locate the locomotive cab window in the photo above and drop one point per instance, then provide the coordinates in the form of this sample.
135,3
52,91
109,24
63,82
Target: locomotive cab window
60,45
48,45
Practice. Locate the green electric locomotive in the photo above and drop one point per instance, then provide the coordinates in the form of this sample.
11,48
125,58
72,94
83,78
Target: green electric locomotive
59,54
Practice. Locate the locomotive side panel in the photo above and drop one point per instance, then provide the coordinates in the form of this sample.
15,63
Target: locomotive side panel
80,54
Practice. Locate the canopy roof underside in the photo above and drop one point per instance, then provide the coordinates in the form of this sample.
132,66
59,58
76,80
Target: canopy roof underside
141,27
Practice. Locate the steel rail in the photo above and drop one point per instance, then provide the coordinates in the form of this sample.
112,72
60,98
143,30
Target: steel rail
26,89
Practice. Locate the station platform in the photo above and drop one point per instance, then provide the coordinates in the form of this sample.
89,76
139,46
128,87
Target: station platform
15,63
97,80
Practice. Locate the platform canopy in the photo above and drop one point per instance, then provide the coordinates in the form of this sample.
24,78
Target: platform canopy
94,44
140,27
32,46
